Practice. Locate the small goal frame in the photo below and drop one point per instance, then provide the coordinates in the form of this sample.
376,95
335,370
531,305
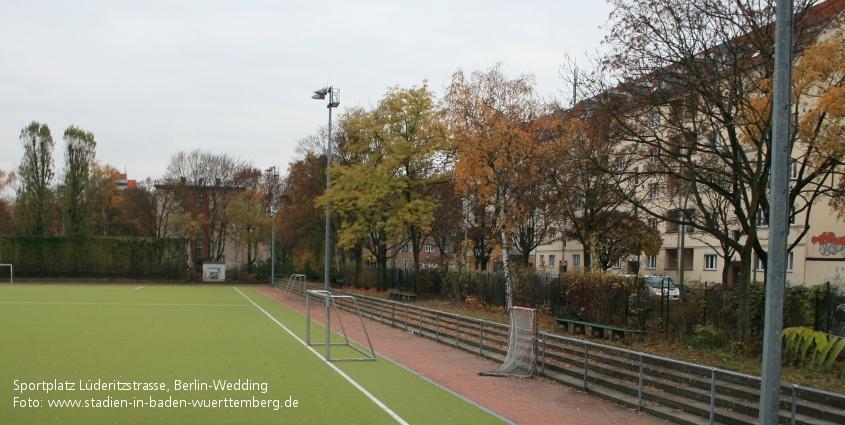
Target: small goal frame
11,272
518,351
331,300
293,281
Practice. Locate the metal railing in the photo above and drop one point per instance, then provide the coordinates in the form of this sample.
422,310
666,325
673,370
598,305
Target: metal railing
647,377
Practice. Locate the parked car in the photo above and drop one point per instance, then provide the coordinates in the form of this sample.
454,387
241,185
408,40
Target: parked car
657,284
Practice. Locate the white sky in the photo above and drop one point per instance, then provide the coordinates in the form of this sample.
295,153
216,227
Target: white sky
151,78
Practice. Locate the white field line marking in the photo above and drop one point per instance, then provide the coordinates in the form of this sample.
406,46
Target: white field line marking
345,376
444,388
140,287
142,304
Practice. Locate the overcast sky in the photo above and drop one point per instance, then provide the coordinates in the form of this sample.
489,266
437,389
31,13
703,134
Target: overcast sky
151,78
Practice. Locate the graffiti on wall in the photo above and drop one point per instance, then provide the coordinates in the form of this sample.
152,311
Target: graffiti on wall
829,244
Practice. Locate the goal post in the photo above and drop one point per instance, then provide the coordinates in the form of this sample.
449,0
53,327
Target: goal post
330,300
520,360
11,272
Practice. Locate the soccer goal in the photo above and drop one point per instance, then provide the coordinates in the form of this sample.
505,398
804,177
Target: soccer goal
294,281
11,272
330,301
522,345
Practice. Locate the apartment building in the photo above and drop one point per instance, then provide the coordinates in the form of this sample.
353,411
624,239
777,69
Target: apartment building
817,238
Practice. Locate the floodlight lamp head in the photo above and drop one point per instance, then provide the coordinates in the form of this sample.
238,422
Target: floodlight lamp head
320,94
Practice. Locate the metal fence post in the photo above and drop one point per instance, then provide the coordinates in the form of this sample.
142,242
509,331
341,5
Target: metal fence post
794,403
712,395
544,355
481,339
640,386
457,330
586,363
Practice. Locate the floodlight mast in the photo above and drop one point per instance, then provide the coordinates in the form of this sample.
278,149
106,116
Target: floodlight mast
334,101
272,176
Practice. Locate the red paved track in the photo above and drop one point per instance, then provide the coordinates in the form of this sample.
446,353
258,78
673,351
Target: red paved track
522,401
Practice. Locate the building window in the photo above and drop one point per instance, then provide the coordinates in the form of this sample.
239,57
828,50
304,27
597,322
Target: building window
429,247
653,223
790,258
552,261
651,262
758,264
762,218
450,248
793,169
199,246
672,259
405,248
619,262
717,140
200,202
792,216
542,260
711,262
654,190
576,260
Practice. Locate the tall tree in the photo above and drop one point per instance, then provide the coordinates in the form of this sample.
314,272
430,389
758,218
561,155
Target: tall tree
584,194
205,183
447,229
399,145
496,124
139,215
7,224
80,151
301,226
35,196
109,215
250,222
688,85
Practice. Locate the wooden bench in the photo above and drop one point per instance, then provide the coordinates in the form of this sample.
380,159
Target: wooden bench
402,296
598,331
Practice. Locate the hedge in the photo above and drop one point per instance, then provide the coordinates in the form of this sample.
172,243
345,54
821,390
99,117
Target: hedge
95,257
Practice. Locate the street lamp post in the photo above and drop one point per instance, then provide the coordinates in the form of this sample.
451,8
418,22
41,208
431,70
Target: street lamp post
334,101
272,175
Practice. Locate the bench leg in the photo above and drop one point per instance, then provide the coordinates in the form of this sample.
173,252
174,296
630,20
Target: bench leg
597,333
616,335
639,339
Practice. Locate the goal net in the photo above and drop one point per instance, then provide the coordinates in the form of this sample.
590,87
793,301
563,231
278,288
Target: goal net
522,345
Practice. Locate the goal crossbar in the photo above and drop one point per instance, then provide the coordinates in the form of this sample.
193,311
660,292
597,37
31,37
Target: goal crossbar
330,301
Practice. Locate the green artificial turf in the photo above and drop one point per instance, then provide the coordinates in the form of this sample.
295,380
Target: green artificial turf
160,334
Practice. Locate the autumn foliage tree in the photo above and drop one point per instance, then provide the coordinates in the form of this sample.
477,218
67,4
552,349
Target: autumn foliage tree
384,194
496,124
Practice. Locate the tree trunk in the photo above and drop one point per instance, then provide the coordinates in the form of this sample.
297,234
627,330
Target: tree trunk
743,332
505,249
358,263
